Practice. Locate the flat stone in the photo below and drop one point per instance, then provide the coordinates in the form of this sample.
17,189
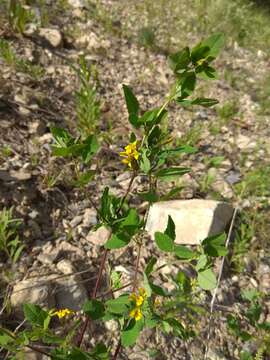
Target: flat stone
194,219
53,36
20,175
33,290
100,236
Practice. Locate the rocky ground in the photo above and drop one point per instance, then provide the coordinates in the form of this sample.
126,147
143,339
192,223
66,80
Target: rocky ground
57,220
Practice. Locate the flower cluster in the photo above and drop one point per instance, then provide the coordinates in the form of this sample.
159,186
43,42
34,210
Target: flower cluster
137,301
63,313
131,155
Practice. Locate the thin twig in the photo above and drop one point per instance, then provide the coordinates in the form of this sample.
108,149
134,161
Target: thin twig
217,286
117,350
102,265
113,291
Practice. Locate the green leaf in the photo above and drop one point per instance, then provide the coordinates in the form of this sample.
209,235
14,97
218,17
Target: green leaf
250,294
117,241
145,164
207,279
169,174
215,42
152,117
61,137
90,147
118,305
208,49
34,314
171,194
150,266
5,338
205,102
187,85
185,149
180,60
131,333
157,290
170,229
202,262
183,252
164,242
132,105
206,72
131,223
150,196
84,178
94,309
215,245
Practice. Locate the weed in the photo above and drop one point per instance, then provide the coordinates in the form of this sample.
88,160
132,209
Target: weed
146,37
18,15
87,103
228,110
20,65
5,151
9,240
241,245
7,53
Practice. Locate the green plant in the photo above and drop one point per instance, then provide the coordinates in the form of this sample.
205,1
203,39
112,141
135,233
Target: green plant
18,15
20,65
86,100
146,37
9,240
228,110
147,303
249,327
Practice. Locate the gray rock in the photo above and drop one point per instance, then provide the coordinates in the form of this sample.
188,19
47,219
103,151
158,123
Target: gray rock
89,217
194,219
53,36
76,221
71,293
33,290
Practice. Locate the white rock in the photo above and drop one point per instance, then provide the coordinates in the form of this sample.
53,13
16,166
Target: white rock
76,3
194,219
100,236
33,290
244,142
53,36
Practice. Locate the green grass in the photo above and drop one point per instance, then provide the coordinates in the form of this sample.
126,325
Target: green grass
86,100
174,23
19,64
10,245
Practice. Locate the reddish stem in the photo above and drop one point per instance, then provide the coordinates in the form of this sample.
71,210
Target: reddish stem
102,265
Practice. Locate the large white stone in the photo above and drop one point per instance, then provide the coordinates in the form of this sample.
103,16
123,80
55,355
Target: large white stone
194,219
53,36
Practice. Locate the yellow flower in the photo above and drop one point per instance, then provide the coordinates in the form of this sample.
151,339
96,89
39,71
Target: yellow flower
130,154
63,313
136,313
138,299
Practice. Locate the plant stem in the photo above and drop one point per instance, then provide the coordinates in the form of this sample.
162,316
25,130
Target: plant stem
102,265
117,350
134,174
28,346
